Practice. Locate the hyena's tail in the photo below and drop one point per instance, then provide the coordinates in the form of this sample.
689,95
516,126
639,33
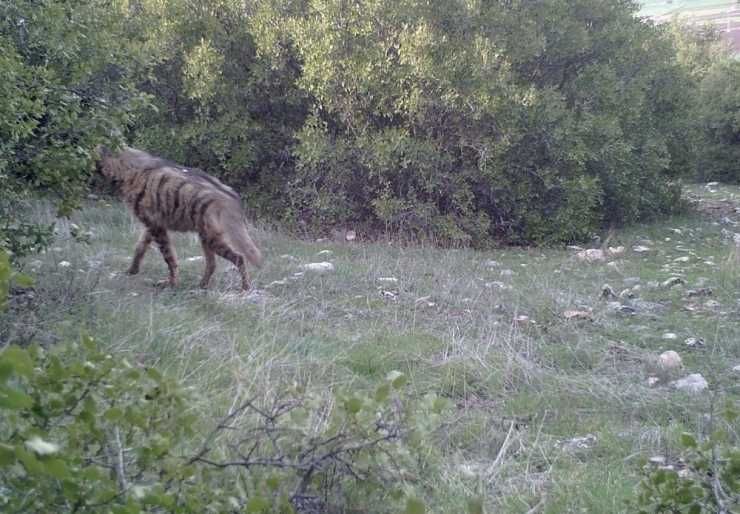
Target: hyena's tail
233,223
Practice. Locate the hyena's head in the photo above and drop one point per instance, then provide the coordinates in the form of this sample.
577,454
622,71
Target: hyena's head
102,154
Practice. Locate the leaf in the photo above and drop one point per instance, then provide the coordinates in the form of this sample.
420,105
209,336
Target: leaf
397,379
113,414
688,440
15,400
717,436
273,482
256,504
19,359
414,506
153,373
353,405
7,454
382,392
475,504
23,281
56,468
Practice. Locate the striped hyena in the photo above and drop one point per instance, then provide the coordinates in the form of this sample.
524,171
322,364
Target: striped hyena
165,196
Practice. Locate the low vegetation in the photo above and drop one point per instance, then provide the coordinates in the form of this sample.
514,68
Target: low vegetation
547,413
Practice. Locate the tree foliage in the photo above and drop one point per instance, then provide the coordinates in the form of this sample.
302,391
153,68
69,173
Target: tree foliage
65,82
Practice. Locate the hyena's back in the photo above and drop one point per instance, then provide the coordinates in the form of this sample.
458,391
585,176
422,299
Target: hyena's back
165,196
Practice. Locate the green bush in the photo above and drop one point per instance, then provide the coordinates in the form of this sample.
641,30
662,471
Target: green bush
708,483
522,121
66,80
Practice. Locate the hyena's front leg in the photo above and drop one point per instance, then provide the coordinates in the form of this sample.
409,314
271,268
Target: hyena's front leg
142,245
162,238
210,263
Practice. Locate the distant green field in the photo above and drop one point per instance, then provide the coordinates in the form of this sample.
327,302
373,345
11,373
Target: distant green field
686,6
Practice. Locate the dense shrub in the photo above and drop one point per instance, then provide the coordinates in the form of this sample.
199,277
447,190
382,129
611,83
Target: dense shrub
65,81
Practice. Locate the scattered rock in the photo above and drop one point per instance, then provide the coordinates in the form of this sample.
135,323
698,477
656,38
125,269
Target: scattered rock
626,293
642,305
654,284
711,304
574,248
736,369
319,267
507,273
199,258
685,258
387,279
93,197
580,443
64,264
607,291
351,235
523,320
670,335
699,292
640,249
693,342
324,252
577,315
287,257
675,231
673,281
389,295
652,381
669,359
632,280
711,184
276,283
694,383
493,264
613,251
36,264
618,308
591,255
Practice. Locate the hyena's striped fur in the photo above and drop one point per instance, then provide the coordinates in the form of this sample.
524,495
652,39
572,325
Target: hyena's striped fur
165,196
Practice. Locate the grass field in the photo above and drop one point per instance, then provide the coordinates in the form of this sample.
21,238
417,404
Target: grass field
485,329
693,7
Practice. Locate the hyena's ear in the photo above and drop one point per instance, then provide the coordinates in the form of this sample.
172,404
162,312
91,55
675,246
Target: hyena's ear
101,151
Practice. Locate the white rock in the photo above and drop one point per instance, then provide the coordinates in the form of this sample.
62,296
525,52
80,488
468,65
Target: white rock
652,381
670,335
324,252
197,258
507,273
669,359
319,267
493,264
287,257
388,295
612,251
694,383
640,249
685,258
711,304
591,255
736,369
387,279
64,264
693,342
653,284
711,184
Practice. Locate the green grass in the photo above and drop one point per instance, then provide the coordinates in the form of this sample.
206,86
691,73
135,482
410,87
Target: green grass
452,327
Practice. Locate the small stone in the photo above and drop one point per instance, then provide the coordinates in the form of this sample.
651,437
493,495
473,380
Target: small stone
507,273
640,249
669,359
694,383
387,279
670,335
318,267
574,248
626,293
607,291
652,381
493,264
64,264
711,304
685,258
287,257
613,251
324,252
693,342
388,295
654,284
351,235
673,281
197,258
591,255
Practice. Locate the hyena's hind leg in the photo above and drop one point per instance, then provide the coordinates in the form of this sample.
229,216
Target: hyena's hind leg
222,248
142,246
210,262
162,238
